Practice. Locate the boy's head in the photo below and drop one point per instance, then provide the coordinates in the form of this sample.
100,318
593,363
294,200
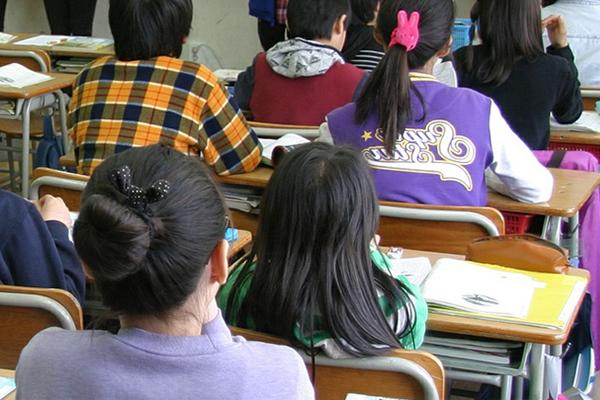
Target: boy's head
144,29
324,20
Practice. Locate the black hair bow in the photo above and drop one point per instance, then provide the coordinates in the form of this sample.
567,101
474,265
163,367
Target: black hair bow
138,198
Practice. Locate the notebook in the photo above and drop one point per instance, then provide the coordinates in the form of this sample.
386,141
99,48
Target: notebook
7,386
287,140
18,76
497,293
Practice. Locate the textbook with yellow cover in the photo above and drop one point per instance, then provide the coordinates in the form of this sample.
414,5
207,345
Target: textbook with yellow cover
497,293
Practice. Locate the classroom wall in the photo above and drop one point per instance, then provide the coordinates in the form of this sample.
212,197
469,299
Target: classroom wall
222,24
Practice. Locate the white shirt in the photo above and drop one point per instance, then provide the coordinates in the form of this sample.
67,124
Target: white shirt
583,33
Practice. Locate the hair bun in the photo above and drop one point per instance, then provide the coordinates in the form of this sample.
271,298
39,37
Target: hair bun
121,238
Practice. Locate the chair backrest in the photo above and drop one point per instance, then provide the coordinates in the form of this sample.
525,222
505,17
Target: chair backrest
62,184
268,130
445,229
25,311
35,60
401,374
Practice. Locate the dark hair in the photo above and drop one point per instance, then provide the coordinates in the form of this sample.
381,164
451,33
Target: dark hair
546,3
509,31
315,19
146,263
144,29
387,91
363,11
319,214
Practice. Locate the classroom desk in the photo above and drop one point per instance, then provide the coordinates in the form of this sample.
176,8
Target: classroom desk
28,95
57,50
590,97
244,239
571,140
540,338
571,190
8,373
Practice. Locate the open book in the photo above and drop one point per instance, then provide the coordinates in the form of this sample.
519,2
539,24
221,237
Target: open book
288,140
497,293
17,76
588,122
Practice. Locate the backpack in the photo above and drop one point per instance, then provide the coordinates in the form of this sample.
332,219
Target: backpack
50,148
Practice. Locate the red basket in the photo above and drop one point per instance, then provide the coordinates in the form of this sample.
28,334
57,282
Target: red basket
590,148
516,223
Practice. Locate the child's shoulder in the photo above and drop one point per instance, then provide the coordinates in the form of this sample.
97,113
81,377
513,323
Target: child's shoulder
13,207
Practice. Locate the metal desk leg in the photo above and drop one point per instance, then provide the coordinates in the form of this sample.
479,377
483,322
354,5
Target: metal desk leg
506,387
551,229
62,108
574,240
26,117
556,351
536,372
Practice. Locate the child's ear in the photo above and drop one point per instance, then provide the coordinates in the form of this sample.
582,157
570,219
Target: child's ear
184,40
340,24
219,263
444,51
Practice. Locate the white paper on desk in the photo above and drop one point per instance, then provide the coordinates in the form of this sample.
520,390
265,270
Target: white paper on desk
588,122
228,75
17,76
42,40
7,386
6,37
454,284
289,139
414,269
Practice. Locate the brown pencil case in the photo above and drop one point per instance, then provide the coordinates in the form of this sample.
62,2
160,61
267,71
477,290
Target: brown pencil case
527,252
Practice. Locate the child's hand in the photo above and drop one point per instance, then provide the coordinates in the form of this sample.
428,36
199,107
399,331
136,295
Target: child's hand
54,209
556,27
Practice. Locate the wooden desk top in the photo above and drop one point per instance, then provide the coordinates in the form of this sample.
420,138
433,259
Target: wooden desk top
8,373
60,81
58,50
258,178
571,191
496,329
575,137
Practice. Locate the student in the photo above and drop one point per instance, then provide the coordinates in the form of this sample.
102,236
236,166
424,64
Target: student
424,141
151,232
146,95
511,67
300,80
581,16
314,276
361,48
70,17
35,249
272,16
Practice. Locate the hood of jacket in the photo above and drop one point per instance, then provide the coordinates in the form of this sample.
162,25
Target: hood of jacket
300,58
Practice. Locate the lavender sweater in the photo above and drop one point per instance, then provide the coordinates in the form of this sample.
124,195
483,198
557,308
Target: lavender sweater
136,364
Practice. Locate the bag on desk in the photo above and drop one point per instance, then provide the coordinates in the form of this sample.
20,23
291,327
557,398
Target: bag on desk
526,252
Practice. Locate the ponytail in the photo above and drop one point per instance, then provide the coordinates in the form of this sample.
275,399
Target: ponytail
388,91
411,43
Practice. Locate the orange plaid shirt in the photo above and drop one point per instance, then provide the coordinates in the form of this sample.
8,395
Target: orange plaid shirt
117,105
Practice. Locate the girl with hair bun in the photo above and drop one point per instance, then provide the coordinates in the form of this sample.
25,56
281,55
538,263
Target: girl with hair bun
150,232
426,142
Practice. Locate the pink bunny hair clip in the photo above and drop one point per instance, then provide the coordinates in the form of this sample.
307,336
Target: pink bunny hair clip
407,32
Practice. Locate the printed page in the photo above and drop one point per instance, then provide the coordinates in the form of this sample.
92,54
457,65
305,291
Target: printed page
468,286
588,122
288,139
42,40
17,76
414,269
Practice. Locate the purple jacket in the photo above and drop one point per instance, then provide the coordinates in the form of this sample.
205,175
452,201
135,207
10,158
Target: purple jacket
438,160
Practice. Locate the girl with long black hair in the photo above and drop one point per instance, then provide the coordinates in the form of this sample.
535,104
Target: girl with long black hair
424,141
315,276
511,67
